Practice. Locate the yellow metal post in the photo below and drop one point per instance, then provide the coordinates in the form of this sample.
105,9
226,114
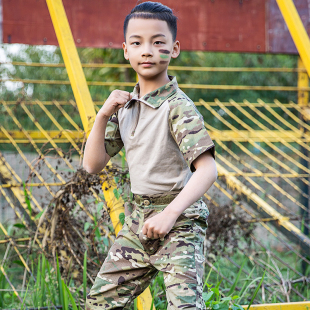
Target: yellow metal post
303,95
303,99
303,81
87,111
303,305
73,64
297,30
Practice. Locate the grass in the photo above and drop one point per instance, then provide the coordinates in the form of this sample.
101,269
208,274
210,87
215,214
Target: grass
48,289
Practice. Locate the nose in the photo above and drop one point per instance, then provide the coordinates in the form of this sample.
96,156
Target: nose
147,51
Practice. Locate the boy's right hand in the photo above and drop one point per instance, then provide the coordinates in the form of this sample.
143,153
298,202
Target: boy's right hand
116,100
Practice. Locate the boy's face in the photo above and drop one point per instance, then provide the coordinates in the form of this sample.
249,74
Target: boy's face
149,46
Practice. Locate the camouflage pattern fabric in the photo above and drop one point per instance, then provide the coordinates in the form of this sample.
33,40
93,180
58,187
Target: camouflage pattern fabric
113,141
188,129
134,260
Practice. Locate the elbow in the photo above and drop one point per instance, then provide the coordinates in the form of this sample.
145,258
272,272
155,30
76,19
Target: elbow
90,168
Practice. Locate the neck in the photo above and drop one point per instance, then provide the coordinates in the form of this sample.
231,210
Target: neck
149,85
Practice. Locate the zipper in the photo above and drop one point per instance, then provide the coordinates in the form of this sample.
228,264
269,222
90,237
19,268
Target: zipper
134,129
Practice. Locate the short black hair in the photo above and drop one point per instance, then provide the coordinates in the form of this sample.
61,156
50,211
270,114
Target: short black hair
153,10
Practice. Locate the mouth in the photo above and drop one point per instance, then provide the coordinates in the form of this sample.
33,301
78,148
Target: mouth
147,64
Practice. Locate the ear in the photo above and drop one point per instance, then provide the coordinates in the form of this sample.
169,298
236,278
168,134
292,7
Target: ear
176,49
125,51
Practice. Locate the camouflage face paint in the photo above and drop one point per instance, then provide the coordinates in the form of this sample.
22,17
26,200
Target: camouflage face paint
163,62
164,52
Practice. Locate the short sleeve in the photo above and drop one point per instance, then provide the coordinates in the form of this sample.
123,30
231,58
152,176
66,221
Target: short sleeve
113,141
188,130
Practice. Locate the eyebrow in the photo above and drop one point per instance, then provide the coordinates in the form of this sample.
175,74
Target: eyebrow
153,37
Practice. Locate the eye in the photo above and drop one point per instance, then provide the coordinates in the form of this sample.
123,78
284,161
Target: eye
158,42
135,43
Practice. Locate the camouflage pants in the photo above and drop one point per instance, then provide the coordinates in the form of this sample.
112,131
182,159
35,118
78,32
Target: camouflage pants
134,260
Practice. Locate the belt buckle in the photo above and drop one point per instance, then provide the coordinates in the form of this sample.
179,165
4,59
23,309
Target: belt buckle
146,202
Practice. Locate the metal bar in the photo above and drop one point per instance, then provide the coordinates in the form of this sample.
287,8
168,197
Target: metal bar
303,81
15,240
242,174
224,121
274,133
252,155
8,185
247,165
301,155
55,122
64,136
44,158
10,283
283,224
16,249
297,30
290,105
19,215
39,141
176,68
67,116
72,62
274,147
7,175
185,86
302,305
38,135
32,169
263,191
247,210
303,103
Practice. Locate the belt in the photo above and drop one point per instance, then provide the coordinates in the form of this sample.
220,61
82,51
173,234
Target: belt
147,200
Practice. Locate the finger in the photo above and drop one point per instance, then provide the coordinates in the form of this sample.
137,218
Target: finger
120,101
150,234
127,93
124,94
155,235
144,230
123,97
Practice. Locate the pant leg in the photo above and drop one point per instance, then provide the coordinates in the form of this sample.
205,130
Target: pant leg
181,258
125,273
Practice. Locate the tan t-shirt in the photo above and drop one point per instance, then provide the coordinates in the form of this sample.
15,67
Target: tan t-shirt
163,133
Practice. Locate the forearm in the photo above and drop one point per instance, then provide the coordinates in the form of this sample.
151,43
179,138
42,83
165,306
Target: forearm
201,180
95,156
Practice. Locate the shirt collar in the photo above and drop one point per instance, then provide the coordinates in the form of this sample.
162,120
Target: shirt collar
157,97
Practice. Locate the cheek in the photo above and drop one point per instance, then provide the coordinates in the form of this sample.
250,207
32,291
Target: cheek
132,55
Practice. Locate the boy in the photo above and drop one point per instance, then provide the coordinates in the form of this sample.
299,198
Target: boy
171,163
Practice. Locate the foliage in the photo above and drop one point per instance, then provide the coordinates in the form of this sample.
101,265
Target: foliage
51,54
45,289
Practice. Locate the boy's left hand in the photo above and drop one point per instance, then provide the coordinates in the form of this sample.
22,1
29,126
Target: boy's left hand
159,225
